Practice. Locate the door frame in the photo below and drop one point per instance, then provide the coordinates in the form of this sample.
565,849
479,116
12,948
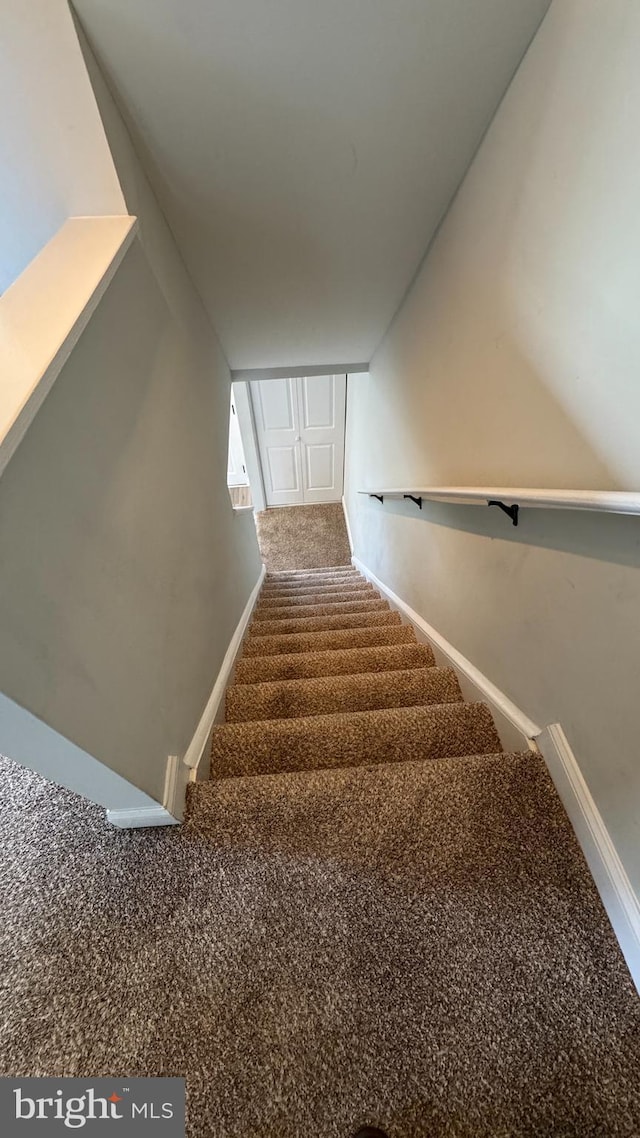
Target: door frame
249,436
249,429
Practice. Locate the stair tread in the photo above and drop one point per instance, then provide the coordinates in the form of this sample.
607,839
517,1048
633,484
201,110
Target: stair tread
336,638
442,913
327,694
353,738
296,611
333,662
370,619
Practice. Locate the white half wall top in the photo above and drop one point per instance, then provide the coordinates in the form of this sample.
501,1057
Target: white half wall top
44,312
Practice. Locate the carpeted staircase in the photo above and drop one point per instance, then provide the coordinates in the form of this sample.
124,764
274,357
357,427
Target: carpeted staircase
364,918
330,677
395,925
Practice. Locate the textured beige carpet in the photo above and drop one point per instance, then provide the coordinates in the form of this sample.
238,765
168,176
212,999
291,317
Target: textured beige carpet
303,537
415,944
337,935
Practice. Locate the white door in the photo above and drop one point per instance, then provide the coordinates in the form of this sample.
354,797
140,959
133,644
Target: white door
300,429
275,407
321,407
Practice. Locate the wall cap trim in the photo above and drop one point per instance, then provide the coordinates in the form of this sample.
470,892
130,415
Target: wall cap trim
46,309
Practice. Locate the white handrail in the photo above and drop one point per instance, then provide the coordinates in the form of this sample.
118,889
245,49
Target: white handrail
607,501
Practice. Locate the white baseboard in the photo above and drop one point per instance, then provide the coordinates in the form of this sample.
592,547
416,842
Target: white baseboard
154,814
194,763
36,746
171,783
515,729
134,819
615,889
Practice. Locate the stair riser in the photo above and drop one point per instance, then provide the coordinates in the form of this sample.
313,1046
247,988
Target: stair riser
313,577
296,612
324,623
347,596
319,591
293,578
324,571
352,661
342,567
317,582
330,694
322,641
358,739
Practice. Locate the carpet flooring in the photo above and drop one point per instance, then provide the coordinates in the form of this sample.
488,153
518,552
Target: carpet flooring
418,945
415,944
303,537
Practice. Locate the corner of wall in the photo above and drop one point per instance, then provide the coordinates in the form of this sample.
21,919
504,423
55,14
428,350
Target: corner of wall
58,759
193,767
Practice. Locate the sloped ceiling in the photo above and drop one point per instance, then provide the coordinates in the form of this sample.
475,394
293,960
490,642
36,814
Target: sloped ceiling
305,150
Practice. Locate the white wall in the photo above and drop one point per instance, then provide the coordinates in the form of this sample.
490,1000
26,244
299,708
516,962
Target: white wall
54,158
37,746
123,570
514,361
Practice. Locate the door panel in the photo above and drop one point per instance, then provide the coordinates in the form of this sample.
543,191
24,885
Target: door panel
277,404
317,404
319,466
322,405
283,470
300,428
276,413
